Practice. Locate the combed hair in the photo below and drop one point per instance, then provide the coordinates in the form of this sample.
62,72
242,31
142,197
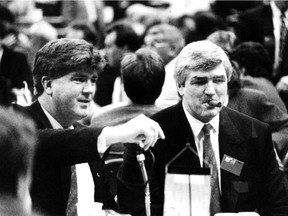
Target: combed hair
143,75
201,55
62,56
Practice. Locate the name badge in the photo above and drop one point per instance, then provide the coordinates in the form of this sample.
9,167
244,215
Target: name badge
231,165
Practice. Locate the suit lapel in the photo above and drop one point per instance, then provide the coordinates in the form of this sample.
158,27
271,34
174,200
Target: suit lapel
230,141
230,138
184,134
43,123
39,116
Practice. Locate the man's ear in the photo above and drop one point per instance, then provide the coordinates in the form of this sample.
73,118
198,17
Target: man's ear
47,84
181,89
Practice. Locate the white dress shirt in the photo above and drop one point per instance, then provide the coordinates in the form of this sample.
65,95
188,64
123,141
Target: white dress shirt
196,127
277,29
85,183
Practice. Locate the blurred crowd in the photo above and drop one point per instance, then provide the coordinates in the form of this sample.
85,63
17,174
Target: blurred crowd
27,25
252,33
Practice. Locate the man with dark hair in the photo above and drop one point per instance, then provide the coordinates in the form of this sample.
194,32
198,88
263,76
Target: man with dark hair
266,24
82,30
220,138
254,62
143,76
65,74
16,73
17,147
120,40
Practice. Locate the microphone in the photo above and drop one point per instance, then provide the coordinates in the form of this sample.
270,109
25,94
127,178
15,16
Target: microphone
215,103
140,158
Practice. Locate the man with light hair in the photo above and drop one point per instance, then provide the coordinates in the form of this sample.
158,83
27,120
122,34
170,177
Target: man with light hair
217,135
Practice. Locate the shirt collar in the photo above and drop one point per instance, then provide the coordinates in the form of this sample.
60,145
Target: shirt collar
197,125
55,124
275,10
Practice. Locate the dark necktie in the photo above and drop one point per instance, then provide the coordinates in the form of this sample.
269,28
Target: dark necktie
215,203
72,200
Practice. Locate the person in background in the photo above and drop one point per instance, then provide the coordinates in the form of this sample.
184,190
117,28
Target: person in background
264,24
215,132
39,33
120,40
255,68
254,103
227,40
254,62
17,147
19,75
90,12
82,30
167,40
65,74
143,75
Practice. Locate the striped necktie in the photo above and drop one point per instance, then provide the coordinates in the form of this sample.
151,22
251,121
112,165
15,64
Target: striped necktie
73,196
215,203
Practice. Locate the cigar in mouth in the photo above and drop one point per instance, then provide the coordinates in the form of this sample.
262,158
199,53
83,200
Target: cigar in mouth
215,103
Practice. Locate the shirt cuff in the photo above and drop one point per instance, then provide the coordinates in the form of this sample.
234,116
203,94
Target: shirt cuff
101,142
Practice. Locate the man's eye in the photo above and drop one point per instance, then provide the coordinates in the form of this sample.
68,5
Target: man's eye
94,80
78,79
219,80
198,82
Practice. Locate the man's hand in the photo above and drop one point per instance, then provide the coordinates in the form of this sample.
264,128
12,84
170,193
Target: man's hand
140,129
282,85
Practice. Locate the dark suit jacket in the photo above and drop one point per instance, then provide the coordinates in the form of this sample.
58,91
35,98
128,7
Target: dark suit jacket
257,25
266,86
59,149
14,66
240,137
255,104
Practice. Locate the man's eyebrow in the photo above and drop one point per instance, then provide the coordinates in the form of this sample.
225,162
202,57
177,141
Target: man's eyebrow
219,76
199,78
80,74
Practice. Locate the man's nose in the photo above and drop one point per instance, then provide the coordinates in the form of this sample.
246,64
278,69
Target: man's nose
210,88
89,87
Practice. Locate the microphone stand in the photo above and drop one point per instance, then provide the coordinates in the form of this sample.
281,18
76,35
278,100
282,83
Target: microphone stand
140,158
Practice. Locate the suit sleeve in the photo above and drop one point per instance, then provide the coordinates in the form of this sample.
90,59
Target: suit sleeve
273,193
68,147
278,121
